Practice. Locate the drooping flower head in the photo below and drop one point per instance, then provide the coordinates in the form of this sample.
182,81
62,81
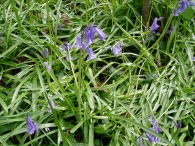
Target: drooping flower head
116,49
52,104
155,25
91,54
175,12
183,4
89,35
31,125
100,33
45,52
79,41
155,128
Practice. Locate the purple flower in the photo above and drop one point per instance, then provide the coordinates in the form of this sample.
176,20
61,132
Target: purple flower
154,25
101,34
52,104
47,66
182,5
193,58
185,3
151,120
79,41
45,52
65,47
116,49
175,12
90,53
89,35
155,128
31,125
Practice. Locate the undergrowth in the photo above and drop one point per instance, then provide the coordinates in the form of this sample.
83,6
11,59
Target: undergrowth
108,99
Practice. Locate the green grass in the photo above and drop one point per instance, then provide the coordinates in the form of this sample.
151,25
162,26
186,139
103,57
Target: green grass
104,101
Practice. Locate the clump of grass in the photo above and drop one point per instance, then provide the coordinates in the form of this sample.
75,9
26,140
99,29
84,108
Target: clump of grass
104,95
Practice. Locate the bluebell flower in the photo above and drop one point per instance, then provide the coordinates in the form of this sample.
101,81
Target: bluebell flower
193,58
79,41
45,52
176,12
185,3
52,104
65,47
89,36
116,49
47,66
101,34
31,125
155,128
91,54
182,5
154,25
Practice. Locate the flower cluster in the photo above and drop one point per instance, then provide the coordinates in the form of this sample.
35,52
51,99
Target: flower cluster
86,38
84,41
155,128
183,4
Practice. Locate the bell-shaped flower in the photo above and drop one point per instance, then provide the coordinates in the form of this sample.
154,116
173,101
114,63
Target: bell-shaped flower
116,49
155,128
101,34
31,125
90,54
154,25
89,36
79,41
